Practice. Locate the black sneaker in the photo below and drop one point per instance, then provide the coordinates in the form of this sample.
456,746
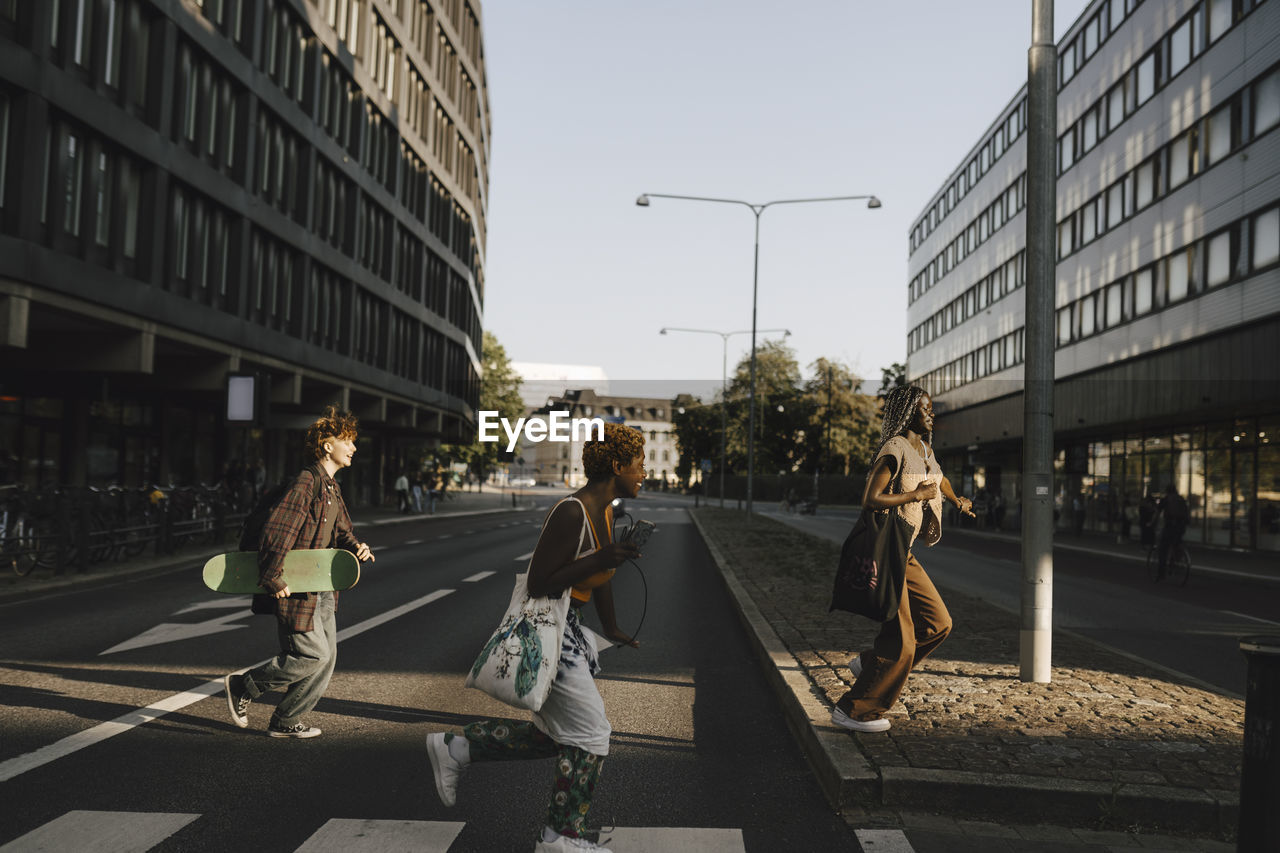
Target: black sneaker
301,730
237,699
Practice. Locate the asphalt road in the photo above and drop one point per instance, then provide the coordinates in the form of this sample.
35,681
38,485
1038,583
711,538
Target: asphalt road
115,726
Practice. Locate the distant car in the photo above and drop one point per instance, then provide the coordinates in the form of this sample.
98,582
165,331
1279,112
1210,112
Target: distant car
523,481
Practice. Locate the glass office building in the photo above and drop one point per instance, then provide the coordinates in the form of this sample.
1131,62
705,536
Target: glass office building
293,190
1167,285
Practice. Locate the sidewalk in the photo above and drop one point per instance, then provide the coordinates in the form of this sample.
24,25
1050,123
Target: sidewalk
365,519
1110,743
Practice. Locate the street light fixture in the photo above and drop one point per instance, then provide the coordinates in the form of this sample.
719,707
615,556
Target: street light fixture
642,200
724,375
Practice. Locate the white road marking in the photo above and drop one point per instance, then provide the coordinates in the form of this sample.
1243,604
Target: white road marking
172,632
137,832
101,832
226,602
1247,616
345,835
883,841
445,536
478,576
18,765
413,541
663,839
523,557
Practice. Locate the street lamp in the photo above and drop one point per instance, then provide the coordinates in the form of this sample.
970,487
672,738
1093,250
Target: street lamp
724,377
643,201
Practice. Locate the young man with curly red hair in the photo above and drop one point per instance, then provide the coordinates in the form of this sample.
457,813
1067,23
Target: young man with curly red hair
311,514
576,551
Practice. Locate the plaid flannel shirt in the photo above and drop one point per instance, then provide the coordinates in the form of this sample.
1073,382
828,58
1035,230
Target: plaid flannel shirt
298,522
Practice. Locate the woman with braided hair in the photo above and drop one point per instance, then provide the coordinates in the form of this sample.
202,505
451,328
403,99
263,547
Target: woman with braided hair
905,478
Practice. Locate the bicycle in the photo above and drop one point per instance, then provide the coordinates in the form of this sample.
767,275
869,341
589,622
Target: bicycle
17,538
1178,568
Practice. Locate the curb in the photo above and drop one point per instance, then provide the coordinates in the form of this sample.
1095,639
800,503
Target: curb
848,780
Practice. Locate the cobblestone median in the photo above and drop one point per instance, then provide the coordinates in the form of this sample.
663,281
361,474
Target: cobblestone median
1104,718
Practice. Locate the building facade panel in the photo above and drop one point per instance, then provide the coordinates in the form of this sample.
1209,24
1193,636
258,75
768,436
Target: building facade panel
191,189
1168,258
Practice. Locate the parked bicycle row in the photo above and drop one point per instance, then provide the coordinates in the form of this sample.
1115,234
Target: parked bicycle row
72,527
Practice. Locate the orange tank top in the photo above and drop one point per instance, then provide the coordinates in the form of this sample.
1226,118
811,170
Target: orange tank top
581,591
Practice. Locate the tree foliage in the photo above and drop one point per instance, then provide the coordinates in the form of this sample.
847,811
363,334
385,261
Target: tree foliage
820,423
499,392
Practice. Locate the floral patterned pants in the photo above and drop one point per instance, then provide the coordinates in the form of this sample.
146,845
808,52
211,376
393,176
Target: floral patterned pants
576,769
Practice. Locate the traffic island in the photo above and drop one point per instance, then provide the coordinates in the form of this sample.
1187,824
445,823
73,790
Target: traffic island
1109,743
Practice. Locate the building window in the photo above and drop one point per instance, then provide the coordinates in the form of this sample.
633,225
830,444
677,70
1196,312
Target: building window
1219,259
1220,136
1142,297
130,198
74,180
1266,238
1146,78
1219,18
1180,48
1179,275
102,189
1266,103
1114,296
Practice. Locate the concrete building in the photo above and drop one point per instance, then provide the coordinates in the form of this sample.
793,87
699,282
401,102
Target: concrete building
293,190
1167,280
560,463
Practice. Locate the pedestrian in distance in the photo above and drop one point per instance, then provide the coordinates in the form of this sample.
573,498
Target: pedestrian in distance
416,488
311,514
905,478
1176,518
571,725
402,493
1148,509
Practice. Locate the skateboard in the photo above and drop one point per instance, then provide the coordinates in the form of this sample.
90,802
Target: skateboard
319,570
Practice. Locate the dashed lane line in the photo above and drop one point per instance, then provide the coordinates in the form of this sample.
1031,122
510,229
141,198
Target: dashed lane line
883,841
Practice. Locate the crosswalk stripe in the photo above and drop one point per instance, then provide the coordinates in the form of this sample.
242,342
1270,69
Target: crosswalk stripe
663,839
101,832
883,841
342,835
478,576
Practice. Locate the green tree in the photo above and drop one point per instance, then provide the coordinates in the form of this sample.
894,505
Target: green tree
845,422
893,376
499,392
782,414
697,427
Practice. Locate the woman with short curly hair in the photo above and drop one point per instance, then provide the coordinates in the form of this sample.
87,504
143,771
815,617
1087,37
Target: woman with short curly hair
571,725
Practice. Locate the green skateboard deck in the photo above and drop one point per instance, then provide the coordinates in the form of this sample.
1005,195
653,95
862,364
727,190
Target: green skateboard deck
319,570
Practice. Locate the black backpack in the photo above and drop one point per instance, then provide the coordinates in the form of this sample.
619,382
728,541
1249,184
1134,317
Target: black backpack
251,529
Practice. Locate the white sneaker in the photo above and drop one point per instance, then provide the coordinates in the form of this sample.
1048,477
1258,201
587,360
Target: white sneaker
840,718
855,665
564,844
444,767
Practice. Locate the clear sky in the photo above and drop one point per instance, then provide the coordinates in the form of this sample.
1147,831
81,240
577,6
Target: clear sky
597,101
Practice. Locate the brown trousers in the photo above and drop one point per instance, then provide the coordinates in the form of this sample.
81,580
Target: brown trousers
920,627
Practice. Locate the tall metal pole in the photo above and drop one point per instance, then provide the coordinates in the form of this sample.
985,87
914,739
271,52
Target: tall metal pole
751,396
724,406
1036,638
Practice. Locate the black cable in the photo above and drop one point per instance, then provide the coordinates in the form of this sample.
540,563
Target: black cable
644,609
